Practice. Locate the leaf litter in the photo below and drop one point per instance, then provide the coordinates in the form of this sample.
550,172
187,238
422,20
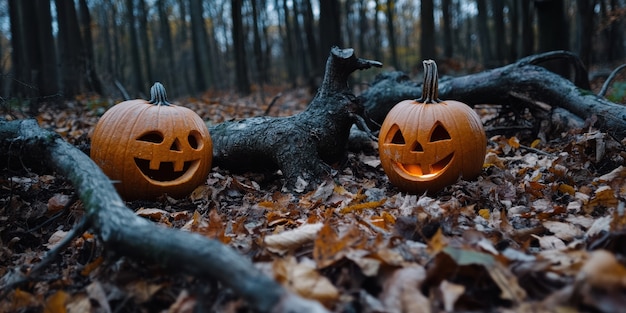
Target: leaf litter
542,229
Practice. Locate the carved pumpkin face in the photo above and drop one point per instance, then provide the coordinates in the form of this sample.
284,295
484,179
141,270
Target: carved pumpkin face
425,147
149,149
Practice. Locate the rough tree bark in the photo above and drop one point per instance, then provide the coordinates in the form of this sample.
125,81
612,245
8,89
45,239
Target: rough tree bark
127,234
302,146
522,83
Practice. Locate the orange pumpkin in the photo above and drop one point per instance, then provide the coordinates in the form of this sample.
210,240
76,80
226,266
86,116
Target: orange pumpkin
148,148
428,144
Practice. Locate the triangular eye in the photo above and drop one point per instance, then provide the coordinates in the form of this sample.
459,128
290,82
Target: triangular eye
175,145
397,138
439,133
153,136
417,147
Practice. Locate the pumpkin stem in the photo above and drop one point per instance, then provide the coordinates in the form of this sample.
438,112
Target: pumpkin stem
430,89
158,96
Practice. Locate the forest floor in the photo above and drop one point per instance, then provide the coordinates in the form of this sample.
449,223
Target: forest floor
542,229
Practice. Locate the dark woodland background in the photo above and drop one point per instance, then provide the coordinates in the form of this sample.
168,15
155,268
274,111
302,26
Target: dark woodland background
54,51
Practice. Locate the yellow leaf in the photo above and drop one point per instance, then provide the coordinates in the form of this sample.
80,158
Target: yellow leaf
565,188
484,213
388,217
23,299
437,242
363,206
91,266
535,143
56,303
513,142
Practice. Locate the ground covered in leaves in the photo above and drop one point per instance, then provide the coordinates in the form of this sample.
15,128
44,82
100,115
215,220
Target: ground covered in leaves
541,230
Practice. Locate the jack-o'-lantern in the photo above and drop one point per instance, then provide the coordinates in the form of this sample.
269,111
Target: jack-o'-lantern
428,144
150,148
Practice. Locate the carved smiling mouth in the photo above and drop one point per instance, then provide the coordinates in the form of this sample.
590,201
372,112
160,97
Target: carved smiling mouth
417,170
166,173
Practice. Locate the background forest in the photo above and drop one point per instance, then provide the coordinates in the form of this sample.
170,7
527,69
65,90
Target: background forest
56,50
541,229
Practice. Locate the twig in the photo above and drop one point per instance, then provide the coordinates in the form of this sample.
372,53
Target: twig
122,90
581,77
65,209
535,150
609,80
16,278
76,231
269,107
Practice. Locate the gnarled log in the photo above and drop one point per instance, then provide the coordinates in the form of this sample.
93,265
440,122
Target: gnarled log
522,83
127,234
302,146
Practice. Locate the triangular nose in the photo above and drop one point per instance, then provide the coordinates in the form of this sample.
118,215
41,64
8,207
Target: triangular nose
175,145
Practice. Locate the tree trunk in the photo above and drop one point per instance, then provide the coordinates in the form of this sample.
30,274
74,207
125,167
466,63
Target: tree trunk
527,35
136,74
184,59
427,20
303,66
553,32
126,234
146,47
313,49
499,31
198,36
24,48
447,28
91,76
514,33
289,46
33,53
378,54
165,74
613,32
391,33
261,75
483,32
329,27
585,29
241,65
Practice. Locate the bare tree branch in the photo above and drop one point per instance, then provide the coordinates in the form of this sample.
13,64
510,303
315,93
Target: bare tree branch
126,234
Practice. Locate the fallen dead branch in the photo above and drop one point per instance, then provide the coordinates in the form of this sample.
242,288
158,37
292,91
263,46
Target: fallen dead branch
126,234
520,84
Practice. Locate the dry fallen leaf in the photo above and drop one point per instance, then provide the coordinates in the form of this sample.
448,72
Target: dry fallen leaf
151,213
550,242
329,247
450,292
507,282
143,291
303,278
56,238
56,302
58,202
292,239
602,270
402,293
564,231
96,293
184,303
